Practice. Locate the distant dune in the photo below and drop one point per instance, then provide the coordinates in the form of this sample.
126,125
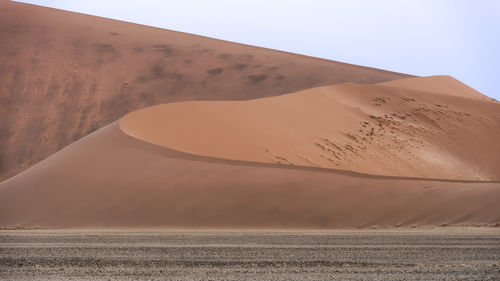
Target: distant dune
274,162
64,75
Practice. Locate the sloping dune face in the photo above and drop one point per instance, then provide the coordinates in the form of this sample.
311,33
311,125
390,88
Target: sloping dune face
64,75
109,179
433,127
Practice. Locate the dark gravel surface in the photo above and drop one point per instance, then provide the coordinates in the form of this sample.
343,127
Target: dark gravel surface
422,254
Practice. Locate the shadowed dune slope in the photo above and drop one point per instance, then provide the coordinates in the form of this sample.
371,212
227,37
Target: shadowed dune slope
64,75
109,179
375,129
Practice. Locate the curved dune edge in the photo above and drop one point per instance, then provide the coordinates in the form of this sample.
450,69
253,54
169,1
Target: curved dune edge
177,154
109,179
371,129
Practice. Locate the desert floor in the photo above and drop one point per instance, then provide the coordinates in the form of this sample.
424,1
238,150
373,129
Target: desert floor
383,254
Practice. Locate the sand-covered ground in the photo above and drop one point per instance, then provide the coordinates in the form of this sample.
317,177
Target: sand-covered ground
422,254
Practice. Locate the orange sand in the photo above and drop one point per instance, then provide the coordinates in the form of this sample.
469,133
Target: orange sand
372,129
344,155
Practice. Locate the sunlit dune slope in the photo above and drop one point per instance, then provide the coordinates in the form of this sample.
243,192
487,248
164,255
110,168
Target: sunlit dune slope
109,179
64,75
449,132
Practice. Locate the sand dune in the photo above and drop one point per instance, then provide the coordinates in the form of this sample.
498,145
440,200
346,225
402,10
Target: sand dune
372,129
64,75
279,140
119,177
109,179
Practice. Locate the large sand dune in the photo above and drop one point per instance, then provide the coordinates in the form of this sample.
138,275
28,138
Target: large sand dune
279,140
134,173
64,75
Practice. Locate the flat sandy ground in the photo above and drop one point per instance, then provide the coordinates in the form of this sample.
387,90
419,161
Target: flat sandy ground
402,254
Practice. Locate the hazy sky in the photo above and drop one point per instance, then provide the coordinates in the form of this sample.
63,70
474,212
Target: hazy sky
424,37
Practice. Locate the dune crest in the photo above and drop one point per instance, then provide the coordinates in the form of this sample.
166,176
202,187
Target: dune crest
406,130
440,84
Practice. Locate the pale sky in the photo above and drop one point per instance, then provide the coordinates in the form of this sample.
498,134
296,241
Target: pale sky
426,37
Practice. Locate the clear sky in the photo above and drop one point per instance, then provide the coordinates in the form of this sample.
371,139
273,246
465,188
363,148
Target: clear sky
460,38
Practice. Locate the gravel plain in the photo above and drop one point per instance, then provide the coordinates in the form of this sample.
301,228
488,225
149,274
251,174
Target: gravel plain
388,254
